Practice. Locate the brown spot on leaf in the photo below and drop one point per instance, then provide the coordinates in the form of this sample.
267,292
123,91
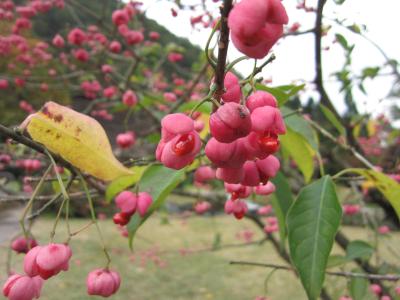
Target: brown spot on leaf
46,112
58,118
78,130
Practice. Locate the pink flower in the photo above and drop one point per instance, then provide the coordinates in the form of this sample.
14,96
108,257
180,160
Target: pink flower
238,190
76,37
103,282
230,175
264,210
230,122
23,245
21,287
120,17
58,41
260,99
175,57
110,92
397,290
133,37
126,201
144,201
271,228
106,69
198,125
265,189
267,119
3,84
81,55
47,261
226,155
236,207
259,171
126,140
232,86
375,289
169,97
203,174
256,25
115,47
351,209
129,98
179,142
384,229
154,35
121,218
202,207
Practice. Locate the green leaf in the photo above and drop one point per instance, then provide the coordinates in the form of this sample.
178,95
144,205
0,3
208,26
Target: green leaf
281,93
153,138
159,182
342,41
358,286
300,150
386,185
300,125
124,182
313,221
332,118
188,106
370,72
336,260
359,249
282,199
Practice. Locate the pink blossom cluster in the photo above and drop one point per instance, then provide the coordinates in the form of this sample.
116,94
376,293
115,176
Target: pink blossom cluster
43,262
129,203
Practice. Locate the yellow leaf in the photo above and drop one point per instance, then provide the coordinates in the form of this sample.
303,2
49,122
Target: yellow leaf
206,119
386,185
371,127
77,138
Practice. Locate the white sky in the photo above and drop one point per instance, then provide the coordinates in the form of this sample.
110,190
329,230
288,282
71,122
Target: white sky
295,55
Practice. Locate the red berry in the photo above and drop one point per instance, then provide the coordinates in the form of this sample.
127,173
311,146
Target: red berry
269,143
184,145
121,218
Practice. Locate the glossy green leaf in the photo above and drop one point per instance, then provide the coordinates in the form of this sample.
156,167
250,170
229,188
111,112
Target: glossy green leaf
313,221
300,150
282,199
332,118
358,286
122,183
159,182
359,249
386,185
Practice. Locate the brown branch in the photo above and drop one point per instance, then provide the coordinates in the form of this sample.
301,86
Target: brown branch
190,89
223,44
388,277
24,198
18,137
343,242
318,59
297,33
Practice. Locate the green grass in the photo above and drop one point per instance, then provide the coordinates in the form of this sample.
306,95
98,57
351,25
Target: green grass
202,275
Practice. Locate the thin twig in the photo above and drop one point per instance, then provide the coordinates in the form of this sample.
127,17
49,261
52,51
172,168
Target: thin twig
386,277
